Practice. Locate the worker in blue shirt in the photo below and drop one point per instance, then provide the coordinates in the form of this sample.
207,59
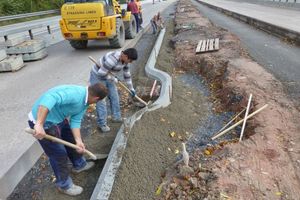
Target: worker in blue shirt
59,112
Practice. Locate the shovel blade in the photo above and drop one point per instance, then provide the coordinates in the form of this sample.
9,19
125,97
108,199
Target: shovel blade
101,156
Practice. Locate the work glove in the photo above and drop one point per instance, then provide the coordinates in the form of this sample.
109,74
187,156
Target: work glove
132,93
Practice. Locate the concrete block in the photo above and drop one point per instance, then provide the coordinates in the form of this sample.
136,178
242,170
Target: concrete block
29,46
2,54
11,63
12,42
35,56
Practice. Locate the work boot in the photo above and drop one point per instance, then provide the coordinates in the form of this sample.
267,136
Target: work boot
88,166
104,128
74,190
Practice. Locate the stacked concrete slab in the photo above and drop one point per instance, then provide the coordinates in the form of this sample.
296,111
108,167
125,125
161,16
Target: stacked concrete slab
10,63
30,50
16,50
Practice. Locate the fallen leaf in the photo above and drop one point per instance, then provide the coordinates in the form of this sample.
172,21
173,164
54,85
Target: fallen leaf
53,179
176,151
172,134
207,152
225,196
180,137
162,120
169,148
278,193
159,188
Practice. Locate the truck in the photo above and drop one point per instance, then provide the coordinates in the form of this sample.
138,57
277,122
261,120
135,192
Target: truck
84,20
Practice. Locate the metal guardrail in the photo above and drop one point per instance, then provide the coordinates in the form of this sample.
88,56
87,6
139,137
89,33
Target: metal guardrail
47,12
28,28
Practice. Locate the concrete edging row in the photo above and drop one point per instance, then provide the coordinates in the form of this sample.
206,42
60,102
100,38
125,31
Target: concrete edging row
105,182
265,26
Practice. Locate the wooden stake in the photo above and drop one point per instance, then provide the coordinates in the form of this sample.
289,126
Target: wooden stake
152,89
239,122
245,119
232,120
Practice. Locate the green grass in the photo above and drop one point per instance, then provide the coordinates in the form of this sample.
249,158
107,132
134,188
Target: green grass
15,21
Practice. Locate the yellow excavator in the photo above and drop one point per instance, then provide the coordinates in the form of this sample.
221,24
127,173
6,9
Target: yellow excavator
83,20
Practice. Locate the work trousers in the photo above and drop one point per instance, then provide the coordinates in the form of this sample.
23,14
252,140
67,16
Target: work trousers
137,19
59,155
113,97
154,26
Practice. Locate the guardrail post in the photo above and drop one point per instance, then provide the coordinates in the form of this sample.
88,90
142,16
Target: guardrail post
30,34
49,30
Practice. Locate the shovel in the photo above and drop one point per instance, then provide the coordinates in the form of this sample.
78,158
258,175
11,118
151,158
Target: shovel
68,144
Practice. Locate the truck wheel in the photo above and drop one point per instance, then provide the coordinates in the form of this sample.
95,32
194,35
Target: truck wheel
130,28
119,40
79,44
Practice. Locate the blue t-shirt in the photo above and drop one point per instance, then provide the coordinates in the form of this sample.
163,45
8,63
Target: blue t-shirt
65,101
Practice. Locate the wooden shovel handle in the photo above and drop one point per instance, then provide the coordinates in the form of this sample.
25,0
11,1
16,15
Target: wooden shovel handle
121,84
60,141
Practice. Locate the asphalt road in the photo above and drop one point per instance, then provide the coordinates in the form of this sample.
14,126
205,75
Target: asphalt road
20,89
279,58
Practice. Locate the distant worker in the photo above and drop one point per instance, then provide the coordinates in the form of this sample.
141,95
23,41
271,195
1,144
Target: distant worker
133,8
110,63
157,23
59,112
138,2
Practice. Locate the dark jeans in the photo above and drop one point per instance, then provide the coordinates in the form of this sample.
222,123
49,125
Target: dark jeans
59,154
154,26
136,16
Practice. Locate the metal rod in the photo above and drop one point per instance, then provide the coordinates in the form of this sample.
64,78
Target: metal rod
30,34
